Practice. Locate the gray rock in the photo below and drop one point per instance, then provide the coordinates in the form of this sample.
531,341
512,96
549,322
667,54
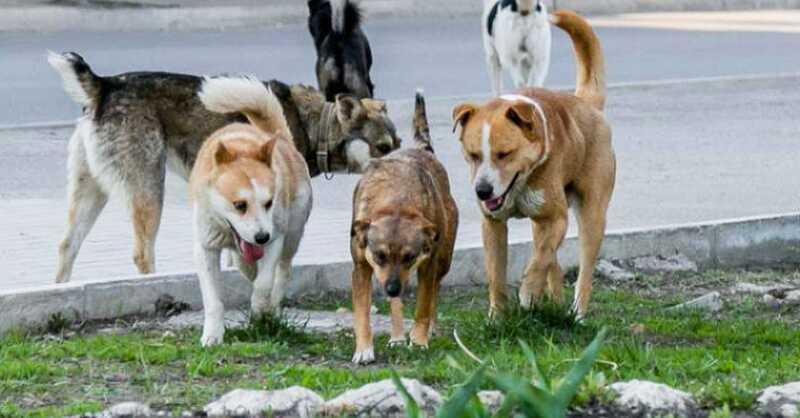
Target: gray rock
711,302
129,410
778,298
382,399
756,289
613,272
491,399
652,399
660,264
295,401
780,401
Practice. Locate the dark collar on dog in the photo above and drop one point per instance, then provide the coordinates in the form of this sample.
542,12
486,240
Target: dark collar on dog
320,138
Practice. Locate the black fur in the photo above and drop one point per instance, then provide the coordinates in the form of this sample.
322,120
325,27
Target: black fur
501,4
344,59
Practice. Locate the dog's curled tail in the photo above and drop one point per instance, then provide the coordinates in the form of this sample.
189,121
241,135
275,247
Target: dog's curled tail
591,71
80,83
422,133
345,15
249,96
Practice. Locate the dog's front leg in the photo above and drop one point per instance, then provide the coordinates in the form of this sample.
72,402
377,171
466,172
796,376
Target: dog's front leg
548,235
495,247
207,262
398,327
261,299
362,300
426,292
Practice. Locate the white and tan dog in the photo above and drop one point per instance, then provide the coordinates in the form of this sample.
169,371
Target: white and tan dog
251,193
516,36
535,154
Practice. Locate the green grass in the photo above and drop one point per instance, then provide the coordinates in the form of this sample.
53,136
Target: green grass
723,359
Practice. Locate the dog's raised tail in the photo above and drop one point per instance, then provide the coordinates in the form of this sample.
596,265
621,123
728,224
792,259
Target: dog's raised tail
345,15
422,132
80,83
591,71
249,96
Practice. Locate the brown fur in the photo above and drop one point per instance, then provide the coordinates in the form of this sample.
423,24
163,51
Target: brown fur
404,218
565,154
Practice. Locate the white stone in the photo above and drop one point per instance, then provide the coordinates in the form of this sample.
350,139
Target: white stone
613,272
756,289
641,396
711,302
780,401
661,264
491,399
382,399
295,401
130,410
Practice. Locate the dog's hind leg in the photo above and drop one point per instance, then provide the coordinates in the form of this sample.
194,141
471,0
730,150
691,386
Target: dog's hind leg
591,215
86,200
146,215
283,274
398,335
495,73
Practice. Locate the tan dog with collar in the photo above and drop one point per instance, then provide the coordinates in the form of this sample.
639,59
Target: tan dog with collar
404,219
534,155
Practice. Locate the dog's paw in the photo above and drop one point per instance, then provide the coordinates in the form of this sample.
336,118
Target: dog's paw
397,341
364,356
211,338
418,338
525,301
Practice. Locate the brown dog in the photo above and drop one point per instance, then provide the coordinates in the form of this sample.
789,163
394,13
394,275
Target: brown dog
404,219
532,155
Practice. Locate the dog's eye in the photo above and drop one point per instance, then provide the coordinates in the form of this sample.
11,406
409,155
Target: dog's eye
502,155
268,205
380,257
240,206
408,258
475,157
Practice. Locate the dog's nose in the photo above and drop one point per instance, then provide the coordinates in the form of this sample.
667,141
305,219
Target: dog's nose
484,191
524,12
393,288
262,238
384,148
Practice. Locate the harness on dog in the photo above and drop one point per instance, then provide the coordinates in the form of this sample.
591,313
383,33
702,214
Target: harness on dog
501,4
320,137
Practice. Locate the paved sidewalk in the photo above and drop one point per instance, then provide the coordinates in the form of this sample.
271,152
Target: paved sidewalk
687,152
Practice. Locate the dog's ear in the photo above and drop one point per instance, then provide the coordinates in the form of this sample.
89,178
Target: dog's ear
223,155
358,232
375,105
348,108
265,152
521,114
462,113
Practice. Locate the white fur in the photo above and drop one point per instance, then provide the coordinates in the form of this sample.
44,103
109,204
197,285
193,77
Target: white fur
358,155
486,171
237,94
519,44
337,14
69,78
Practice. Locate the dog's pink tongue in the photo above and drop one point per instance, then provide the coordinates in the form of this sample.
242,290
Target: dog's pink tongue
493,204
251,253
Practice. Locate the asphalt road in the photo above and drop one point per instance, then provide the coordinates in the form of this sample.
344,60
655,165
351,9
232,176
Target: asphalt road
443,57
687,151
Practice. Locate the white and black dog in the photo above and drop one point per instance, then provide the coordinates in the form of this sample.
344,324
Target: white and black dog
344,57
516,36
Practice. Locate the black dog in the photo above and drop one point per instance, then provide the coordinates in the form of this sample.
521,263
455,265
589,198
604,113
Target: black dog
344,57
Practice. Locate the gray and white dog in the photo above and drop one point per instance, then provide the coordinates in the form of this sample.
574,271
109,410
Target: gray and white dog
135,125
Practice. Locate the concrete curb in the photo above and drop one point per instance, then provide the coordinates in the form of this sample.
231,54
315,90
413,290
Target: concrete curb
758,241
59,18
